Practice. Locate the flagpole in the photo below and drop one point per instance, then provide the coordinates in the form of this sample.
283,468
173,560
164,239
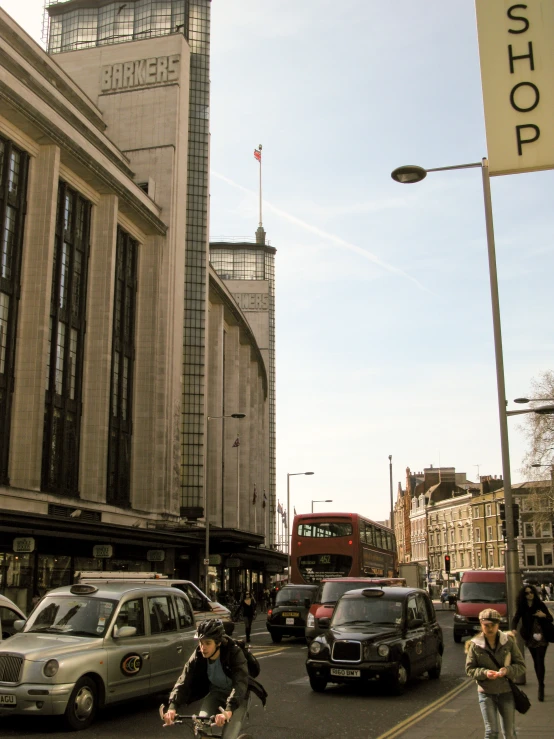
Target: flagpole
238,486
260,161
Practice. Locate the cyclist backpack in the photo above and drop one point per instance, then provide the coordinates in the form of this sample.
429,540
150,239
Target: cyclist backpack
251,661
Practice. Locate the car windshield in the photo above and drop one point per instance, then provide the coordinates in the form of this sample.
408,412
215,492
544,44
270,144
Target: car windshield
367,610
330,592
483,592
293,597
74,615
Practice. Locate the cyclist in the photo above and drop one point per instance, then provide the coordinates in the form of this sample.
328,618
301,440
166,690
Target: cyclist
217,672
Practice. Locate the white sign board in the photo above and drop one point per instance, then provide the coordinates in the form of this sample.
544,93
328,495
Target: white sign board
155,555
24,544
516,50
102,551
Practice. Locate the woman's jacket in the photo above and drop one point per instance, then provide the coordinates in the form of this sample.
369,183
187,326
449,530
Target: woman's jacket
479,661
526,616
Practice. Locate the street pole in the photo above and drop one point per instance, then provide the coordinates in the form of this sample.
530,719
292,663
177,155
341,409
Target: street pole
391,501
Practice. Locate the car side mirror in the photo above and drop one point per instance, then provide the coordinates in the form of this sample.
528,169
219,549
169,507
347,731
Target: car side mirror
415,623
19,624
124,631
324,622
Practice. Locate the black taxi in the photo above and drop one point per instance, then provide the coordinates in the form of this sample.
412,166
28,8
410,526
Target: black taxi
390,634
288,616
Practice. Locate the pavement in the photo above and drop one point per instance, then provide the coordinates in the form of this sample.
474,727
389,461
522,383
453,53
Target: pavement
458,714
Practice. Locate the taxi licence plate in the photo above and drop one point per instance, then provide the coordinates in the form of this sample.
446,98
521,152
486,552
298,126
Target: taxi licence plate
7,700
345,673
294,614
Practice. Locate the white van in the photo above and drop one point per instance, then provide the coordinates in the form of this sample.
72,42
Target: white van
203,607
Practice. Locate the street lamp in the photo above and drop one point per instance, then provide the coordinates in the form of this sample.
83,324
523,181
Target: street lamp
542,410
206,501
289,475
319,501
534,400
412,174
391,503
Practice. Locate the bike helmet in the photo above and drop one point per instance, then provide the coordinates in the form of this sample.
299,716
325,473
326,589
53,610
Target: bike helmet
212,629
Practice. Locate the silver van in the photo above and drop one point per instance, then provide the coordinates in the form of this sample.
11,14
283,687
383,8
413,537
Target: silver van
88,645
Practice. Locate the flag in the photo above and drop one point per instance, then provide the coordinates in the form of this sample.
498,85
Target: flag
294,509
279,508
264,500
254,496
237,442
285,519
258,155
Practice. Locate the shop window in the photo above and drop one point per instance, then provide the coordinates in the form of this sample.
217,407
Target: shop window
16,573
60,454
13,193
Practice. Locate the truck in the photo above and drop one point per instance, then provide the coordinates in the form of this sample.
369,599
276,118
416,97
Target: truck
413,573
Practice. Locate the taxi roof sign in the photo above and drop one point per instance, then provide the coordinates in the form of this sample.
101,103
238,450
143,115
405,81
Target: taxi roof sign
83,589
373,592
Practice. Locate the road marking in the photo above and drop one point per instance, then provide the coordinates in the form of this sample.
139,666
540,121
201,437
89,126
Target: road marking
424,712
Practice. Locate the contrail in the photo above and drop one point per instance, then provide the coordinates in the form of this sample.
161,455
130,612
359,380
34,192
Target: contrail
324,234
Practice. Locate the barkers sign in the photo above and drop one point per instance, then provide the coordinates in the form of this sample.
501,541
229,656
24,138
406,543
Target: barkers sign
252,301
140,73
516,49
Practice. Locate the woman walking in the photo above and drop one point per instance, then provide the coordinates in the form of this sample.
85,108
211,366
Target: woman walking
535,619
248,606
492,657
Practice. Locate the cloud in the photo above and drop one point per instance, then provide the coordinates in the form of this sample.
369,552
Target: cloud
324,234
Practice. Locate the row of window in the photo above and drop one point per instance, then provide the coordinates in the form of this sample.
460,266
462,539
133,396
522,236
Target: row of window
368,533
461,560
66,336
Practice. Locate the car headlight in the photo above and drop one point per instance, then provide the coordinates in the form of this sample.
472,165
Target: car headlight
51,668
310,621
459,618
315,647
383,650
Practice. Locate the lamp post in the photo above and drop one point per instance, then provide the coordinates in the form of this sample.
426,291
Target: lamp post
319,501
412,174
391,503
289,475
206,503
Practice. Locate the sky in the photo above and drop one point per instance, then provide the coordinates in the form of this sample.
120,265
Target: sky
383,307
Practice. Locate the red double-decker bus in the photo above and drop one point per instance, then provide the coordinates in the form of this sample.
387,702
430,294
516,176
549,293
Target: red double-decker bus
340,545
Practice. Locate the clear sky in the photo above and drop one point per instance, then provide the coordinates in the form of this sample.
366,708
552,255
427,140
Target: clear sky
384,326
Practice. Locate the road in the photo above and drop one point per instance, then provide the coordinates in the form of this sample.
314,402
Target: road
293,709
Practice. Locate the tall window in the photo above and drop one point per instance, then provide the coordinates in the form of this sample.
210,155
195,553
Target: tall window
13,189
123,353
60,454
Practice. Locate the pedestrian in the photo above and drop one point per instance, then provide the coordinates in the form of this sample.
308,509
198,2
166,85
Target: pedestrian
265,600
217,672
248,607
543,593
493,688
536,620
273,596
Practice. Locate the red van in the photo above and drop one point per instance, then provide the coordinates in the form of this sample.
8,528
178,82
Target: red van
479,589
331,589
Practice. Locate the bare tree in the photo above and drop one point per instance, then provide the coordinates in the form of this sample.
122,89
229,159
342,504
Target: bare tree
539,430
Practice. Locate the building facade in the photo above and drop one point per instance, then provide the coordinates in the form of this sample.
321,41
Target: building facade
118,341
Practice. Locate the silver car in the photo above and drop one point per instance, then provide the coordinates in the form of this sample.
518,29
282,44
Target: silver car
85,646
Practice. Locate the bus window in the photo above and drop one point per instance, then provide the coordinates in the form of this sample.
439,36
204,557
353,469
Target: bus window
378,539
325,529
370,534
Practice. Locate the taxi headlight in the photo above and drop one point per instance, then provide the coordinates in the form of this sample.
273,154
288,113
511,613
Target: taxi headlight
51,668
383,650
315,647
310,621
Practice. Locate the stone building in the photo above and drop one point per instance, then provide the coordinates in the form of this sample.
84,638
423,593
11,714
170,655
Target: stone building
488,543
118,341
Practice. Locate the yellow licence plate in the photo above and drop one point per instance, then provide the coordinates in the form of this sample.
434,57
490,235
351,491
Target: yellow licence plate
294,614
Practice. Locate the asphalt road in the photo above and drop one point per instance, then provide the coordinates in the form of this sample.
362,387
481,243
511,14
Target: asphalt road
293,709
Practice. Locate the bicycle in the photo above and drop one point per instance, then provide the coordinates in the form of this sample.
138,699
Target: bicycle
202,726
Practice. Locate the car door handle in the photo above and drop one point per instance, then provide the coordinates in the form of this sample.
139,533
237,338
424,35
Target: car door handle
146,655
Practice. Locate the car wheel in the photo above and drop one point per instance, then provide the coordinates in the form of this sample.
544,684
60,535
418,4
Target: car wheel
398,683
276,637
318,684
82,705
457,638
435,672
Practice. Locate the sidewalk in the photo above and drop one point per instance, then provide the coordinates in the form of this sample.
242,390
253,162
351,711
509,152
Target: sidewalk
461,716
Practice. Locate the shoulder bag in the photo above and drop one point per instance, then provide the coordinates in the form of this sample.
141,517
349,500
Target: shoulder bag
521,701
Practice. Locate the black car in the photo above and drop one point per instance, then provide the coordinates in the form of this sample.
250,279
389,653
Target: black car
387,633
288,616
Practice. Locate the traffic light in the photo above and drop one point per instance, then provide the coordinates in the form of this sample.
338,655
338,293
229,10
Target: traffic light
447,563
515,515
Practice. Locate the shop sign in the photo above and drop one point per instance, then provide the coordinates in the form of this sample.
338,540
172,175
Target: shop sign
215,559
24,544
155,555
274,568
232,562
102,551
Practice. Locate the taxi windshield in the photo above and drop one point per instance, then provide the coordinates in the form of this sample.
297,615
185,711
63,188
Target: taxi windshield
367,611
72,615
